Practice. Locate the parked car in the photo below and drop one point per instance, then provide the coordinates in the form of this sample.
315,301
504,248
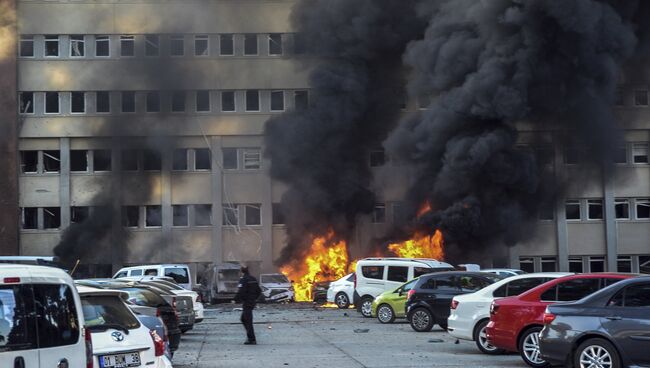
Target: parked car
319,291
119,339
608,329
276,287
392,304
41,320
429,301
376,275
179,272
220,281
504,272
172,288
154,323
341,291
515,322
470,313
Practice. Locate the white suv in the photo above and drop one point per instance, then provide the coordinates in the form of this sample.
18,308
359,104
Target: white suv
470,313
376,275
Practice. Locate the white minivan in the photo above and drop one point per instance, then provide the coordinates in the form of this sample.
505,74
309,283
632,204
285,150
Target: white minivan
376,275
41,320
179,272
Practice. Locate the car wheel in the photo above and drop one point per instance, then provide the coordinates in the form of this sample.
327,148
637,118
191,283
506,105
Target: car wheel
596,353
385,314
529,348
421,320
366,306
342,301
480,337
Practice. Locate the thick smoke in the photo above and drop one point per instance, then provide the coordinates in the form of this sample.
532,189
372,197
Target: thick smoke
355,92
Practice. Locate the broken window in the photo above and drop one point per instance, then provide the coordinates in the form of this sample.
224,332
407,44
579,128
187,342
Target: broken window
252,158
28,162
177,45
52,103
51,217
152,160
179,159
250,44
103,101
51,46
201,45
275,44
26,101
252,100
202,101
277,214
152,216
180,215
29,218
594,209
253,214
277,100
301,100
572,208
622,209
377,158
641,97
640,153
643,209
151,45
128,101
299,44
78,160
77,102
51,161
27,46
227,101
79,214
230,158
202,159
77,46
230,215
620,155
129,160
379,214
202,215
178,101
130,216
102,160
127,46
153,101
226,45
102,46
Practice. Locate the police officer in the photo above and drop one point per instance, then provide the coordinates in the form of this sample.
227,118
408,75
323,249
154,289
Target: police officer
248,291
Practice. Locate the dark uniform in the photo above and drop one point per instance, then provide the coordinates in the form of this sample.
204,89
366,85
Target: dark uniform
248,291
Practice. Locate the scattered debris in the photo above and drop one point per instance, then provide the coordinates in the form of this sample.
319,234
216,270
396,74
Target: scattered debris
270,327
457,342
237,309
361,330
436,340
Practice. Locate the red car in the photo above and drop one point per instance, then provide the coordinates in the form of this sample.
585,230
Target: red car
515,322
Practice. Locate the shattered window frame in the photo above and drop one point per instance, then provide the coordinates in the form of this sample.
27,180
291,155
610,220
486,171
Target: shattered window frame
151,45
23,47
177,45
622,209
180,215
79,161
77,102
202,39
153,216
49,50
275,44
53,95
253,214
105,42
640,153
251,41
29,159
129,42
251,159
570,205
644,205
226,44
102,160
230,214
30,213
77,46
26,105
226,96
595,209
51,218
51,161
79,214
277,103
99,102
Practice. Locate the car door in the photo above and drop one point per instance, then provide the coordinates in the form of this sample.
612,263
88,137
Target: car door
447,286
18,341
396,276
627,319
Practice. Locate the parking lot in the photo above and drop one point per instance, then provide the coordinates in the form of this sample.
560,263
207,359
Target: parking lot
301,335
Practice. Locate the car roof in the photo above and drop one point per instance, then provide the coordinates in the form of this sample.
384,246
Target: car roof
33,273
430,262
602,296
593,275
155,265
468,273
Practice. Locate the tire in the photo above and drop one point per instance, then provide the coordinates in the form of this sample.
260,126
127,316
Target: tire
385,314
342,301
480,337
597,348
529,348
421,320
366,306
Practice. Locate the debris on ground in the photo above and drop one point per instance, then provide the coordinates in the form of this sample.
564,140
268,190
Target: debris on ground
436,340
361,330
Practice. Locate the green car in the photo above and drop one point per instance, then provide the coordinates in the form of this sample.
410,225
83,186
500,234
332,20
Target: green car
392,304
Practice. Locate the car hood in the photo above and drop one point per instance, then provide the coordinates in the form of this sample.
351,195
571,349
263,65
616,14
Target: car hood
273,285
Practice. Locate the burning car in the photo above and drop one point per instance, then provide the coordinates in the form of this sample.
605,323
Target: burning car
276,287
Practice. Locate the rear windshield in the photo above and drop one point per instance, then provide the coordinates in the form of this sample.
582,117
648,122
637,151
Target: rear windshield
144,297
179,274
274,279
107,311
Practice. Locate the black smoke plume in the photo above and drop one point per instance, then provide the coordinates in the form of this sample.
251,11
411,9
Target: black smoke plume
355,95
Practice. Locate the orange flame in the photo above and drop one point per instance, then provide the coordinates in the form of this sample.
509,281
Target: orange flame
420,246
424,208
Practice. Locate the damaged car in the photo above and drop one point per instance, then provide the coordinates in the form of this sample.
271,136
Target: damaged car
276,287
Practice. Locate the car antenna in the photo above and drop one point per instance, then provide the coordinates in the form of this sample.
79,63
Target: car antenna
76,264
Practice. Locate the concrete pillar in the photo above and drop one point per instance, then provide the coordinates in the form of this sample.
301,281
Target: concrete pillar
167,251
610,220
560,214
64,182
217,200
267,219
117,232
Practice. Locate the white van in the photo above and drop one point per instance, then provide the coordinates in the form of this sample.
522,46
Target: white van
179,272
376,275
41,319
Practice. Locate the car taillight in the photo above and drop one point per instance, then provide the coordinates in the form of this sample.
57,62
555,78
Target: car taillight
12,280
410,294
494,308
548,318
454,304
89,348
158,343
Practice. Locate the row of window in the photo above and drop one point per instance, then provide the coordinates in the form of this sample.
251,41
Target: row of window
624,209
183,159
82,102
625,263
155,45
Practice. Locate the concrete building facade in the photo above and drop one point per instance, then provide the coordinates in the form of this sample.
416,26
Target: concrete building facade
183,158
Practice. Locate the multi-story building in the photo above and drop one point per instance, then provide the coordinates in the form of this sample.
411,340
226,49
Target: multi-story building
159,106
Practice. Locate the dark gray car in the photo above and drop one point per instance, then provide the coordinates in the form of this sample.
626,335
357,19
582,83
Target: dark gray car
608,329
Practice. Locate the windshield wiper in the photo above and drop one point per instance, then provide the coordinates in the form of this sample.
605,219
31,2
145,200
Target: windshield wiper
106,326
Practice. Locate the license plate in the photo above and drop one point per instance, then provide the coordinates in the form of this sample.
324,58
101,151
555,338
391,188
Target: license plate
120,360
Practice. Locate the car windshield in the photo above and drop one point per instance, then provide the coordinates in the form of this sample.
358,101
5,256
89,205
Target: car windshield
144,297
179,274
274,279
107,311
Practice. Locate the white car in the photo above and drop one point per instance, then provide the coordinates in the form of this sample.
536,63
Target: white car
118,337
504,272
341,291
276,287
179,272
470,313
